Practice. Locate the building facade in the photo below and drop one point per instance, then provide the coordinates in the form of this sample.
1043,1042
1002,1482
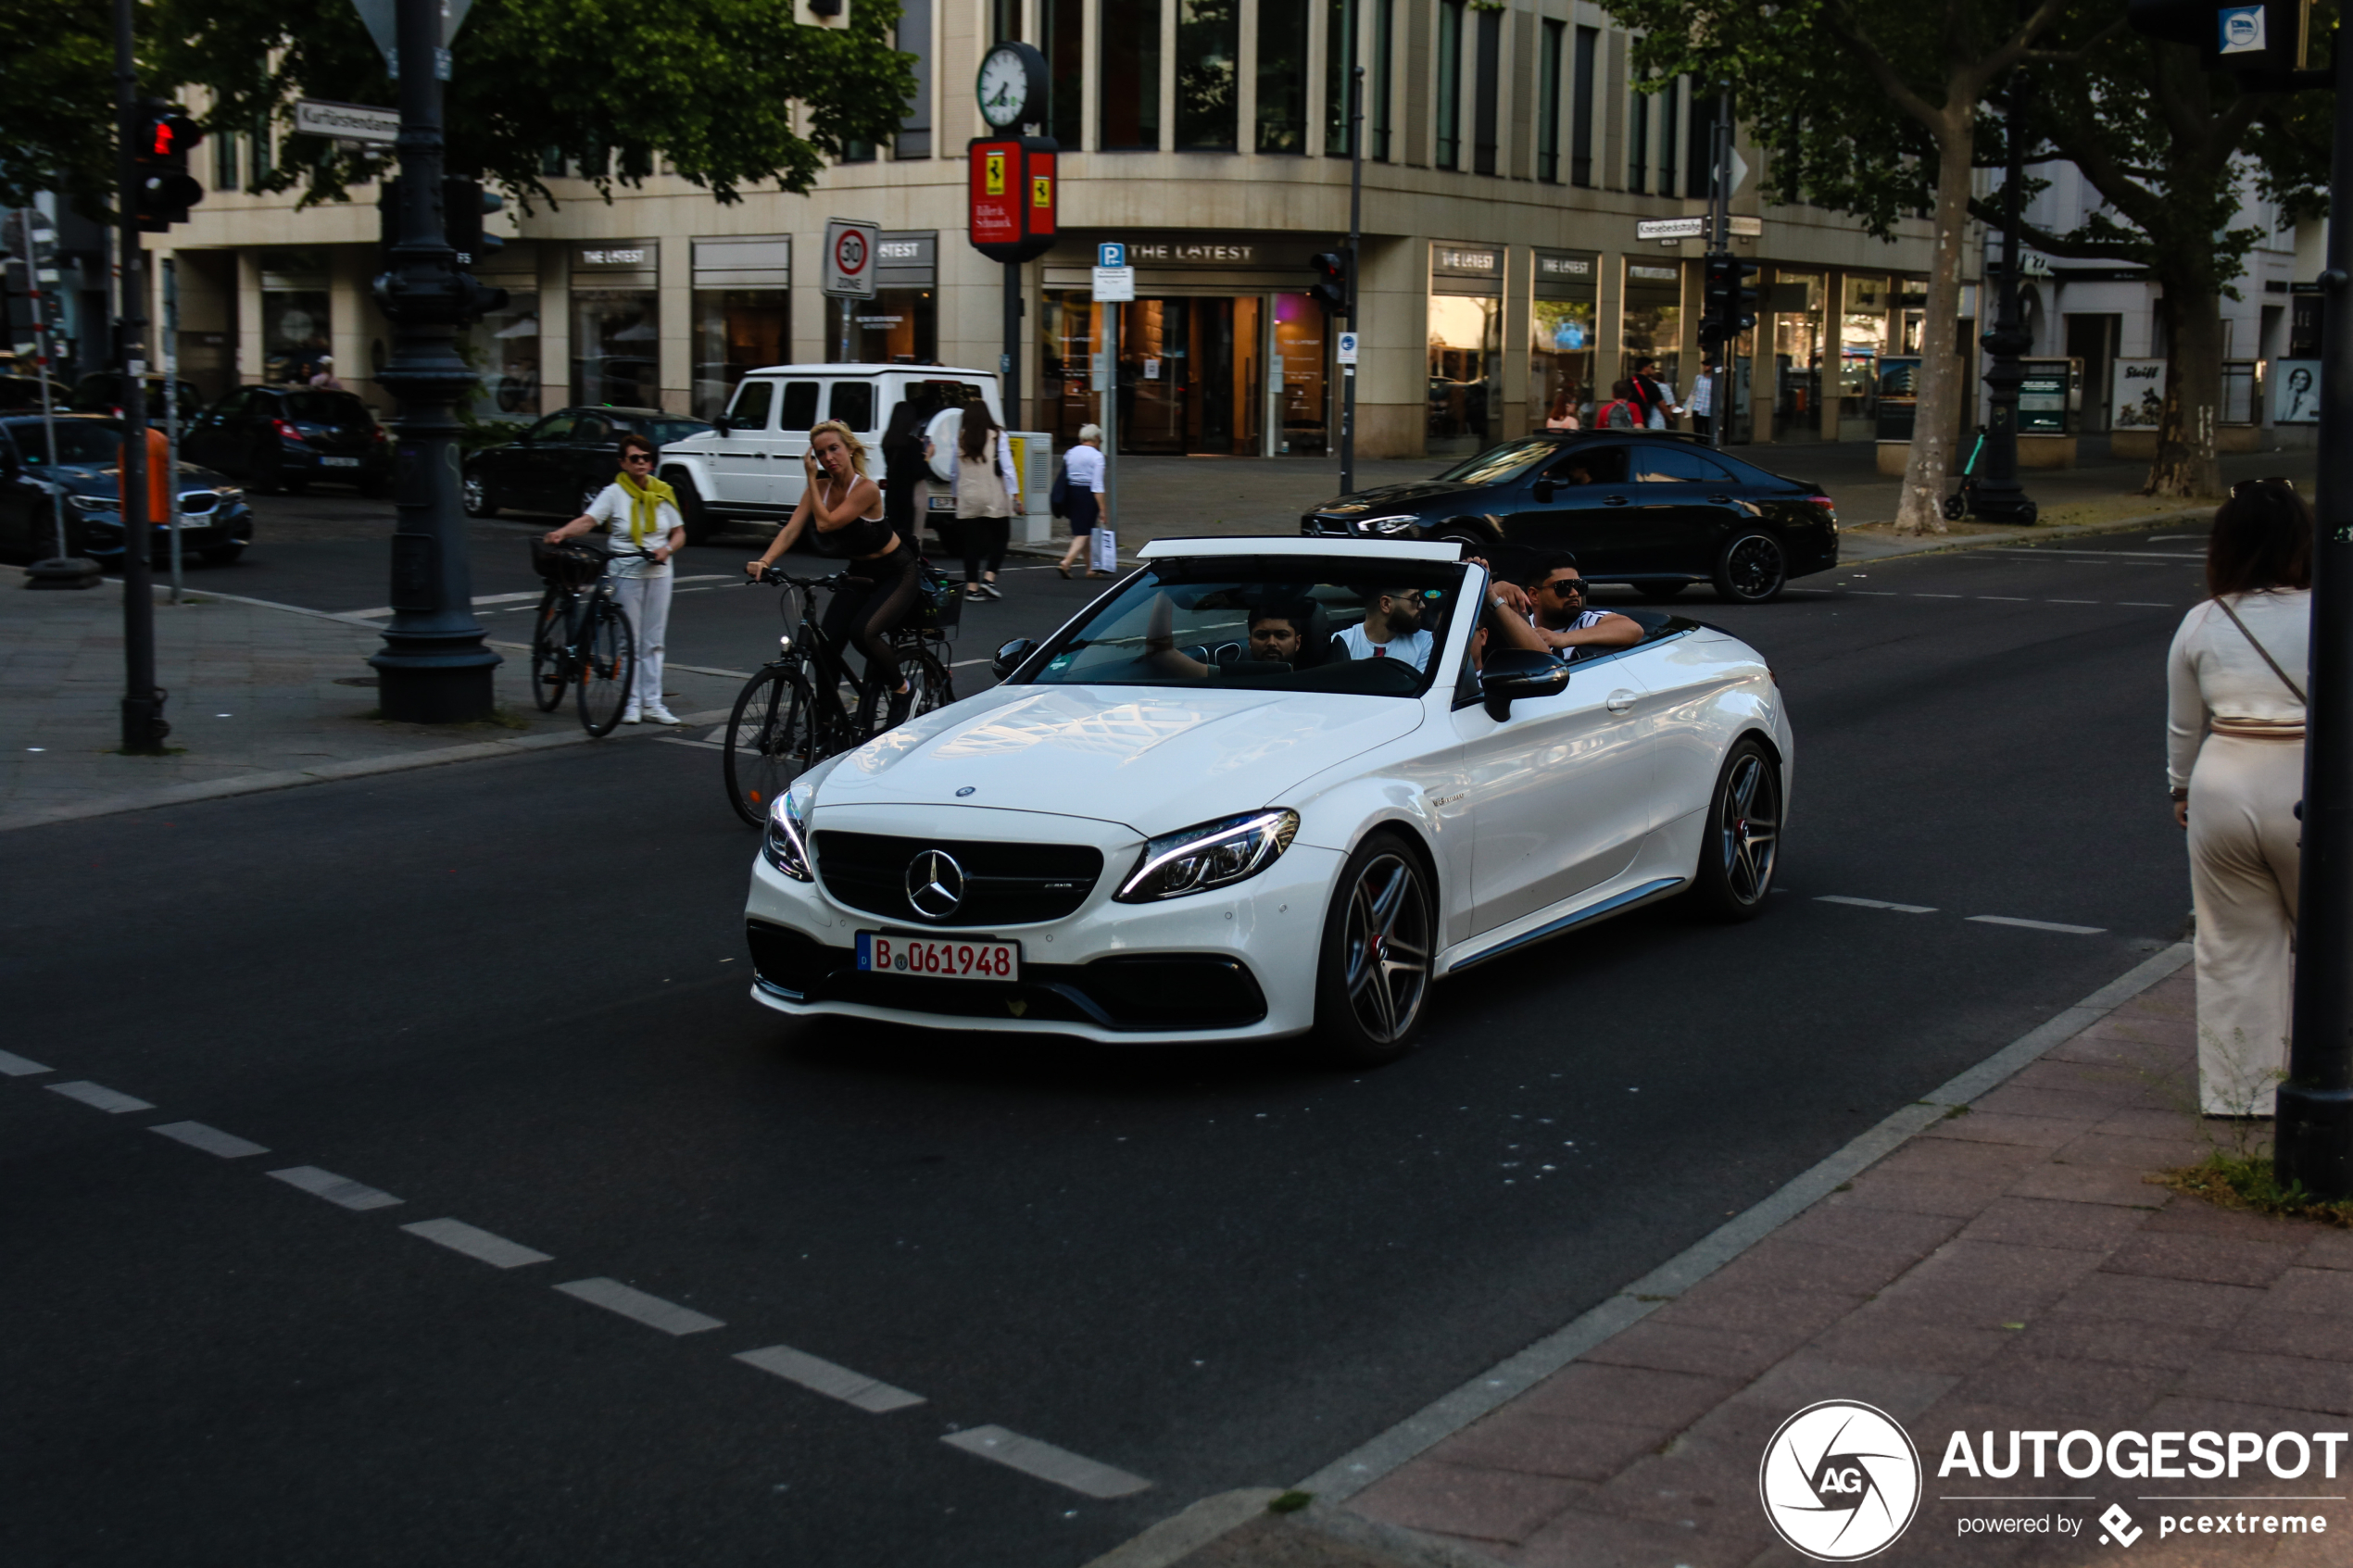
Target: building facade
1507,161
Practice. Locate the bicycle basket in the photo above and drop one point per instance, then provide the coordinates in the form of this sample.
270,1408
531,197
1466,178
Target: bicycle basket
566,565
940,599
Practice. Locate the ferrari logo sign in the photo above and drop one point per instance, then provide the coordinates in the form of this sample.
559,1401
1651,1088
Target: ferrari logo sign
1010,201
992,179
1041,190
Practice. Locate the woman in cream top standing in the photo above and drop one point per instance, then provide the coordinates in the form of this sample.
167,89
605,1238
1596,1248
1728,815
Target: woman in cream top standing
2237,672
638,516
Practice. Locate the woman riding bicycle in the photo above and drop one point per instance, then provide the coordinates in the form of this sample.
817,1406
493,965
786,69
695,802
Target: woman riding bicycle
841,515
638,516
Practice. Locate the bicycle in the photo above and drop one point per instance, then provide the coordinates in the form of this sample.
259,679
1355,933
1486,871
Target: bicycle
580,640
790,717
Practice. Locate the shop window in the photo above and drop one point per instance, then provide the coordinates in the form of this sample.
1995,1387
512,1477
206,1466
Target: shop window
615,340
913,140
1560,360
1282,76
1580,136
1064,23
1384,69
1299,329
502,349
1650,320
1489,84
736,331
1795,300
1129,93
1208,42
294,332
1340,50
1450,84
896,327
1863,331
1548,103
1465,356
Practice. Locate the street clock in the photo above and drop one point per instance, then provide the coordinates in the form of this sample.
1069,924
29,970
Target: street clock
1012,86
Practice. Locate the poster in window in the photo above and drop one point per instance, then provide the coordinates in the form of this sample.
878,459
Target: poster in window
2139,393
2296,391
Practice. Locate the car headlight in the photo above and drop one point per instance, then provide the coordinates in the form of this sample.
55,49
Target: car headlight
1211,855
93,503
1386,527
787,843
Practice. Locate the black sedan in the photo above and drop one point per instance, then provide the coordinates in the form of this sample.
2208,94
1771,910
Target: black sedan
214,523
559,464
282,438
1655,510
101,392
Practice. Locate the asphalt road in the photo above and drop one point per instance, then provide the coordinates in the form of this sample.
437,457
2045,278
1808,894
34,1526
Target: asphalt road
513,994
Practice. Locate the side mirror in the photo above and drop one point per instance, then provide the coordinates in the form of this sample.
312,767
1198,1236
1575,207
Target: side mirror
1542,490
719,422
1009,658
1518,672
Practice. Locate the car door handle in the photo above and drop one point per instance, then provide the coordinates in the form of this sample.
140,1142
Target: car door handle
1721,500
1621,701
1613,501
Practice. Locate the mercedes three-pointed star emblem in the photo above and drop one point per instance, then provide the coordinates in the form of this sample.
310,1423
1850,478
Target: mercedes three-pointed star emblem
935,884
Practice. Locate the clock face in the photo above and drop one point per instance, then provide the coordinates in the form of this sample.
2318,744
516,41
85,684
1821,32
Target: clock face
1004,87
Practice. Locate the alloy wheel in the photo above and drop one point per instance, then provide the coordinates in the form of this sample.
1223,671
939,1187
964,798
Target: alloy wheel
1749,828
1386,948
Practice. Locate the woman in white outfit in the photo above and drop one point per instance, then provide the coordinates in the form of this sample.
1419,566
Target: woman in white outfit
2236,673
638,516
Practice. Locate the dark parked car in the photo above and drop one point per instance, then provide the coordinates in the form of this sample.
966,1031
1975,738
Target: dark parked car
283,437
559,464
100,392
214,521
20,392
1654,508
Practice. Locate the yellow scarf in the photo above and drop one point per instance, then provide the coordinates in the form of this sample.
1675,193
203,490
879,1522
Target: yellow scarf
645,502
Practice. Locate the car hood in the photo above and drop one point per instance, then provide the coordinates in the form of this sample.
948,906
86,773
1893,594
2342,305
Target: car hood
1156,759
1393,497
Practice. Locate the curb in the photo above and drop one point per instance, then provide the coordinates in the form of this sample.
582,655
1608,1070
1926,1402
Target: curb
1514,1376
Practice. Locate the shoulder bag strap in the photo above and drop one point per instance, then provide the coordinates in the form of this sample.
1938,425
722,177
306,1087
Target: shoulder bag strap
2224,605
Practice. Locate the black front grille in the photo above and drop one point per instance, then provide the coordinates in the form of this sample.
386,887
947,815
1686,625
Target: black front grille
1125,992
1004,883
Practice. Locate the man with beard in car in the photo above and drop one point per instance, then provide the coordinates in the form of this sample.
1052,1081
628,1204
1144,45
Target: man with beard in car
1276,633
1555,603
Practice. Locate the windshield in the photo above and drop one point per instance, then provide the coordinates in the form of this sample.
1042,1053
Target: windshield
1498,464
78,440
1300,625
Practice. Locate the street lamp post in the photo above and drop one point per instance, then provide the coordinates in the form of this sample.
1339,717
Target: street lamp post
143,725
1999,496
433,667
1355,260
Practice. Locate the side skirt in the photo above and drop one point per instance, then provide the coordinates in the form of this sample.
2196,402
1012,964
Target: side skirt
1603,909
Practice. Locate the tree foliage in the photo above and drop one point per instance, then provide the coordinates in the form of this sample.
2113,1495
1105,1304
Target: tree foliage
56,115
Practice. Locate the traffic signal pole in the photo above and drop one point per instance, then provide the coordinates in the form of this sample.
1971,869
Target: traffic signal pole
142,726
1355,237
1720,238
433,666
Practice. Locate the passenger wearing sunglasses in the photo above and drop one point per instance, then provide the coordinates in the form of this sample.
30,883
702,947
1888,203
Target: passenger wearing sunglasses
1392,629
638,516
1555,604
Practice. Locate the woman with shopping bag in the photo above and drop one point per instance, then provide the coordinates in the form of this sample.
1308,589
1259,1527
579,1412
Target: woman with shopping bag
1083,504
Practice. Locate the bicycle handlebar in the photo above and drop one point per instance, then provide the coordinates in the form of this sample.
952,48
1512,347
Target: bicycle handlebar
774,578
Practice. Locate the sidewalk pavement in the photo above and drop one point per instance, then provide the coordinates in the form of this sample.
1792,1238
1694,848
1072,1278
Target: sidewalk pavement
262,697
2011,1266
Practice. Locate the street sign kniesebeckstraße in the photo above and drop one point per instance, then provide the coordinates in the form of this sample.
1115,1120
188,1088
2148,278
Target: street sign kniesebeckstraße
1694,228
347,122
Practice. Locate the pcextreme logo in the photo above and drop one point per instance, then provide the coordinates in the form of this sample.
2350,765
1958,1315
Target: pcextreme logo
1839,1481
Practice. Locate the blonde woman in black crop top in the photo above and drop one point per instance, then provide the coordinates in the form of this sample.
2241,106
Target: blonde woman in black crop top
841,515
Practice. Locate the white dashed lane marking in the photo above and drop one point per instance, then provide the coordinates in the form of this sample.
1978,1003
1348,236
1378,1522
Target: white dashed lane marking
1047,1462
1875,904
212,1140
336,1189
2039,925
460,1236
823,1377
112,1101
651,1310
15,1066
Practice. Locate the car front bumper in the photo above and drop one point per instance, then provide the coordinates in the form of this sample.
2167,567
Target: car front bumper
1229,964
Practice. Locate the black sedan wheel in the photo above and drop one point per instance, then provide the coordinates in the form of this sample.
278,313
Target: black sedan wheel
1742,845
477,494
1753,569
1378,943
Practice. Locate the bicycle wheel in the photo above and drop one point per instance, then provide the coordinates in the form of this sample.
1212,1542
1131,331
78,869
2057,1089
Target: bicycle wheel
933,686
549,672
771,738
608,665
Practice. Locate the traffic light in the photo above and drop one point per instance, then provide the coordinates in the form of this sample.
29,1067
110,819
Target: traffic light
1727,304
1331,280
464,204
163,188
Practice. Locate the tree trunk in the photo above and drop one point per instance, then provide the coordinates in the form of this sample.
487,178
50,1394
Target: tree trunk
1937,416
2185,464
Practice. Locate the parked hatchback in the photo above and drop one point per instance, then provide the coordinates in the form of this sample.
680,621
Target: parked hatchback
1652,508
212,518
559,464
282,438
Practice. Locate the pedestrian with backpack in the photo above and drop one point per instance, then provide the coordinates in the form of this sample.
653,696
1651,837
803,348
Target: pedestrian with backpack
1080,492
1621,412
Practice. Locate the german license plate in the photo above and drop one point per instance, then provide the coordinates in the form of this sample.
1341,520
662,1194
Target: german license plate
340,462
940,504
879,954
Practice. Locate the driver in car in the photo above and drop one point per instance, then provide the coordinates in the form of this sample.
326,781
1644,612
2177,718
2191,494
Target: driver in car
1556,606
1392,629
1275,634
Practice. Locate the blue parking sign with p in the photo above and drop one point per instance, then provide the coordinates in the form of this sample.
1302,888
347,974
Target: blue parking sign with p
1111,254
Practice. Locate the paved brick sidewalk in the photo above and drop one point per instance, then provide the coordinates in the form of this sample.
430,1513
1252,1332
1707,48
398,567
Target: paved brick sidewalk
2010,1268
257,701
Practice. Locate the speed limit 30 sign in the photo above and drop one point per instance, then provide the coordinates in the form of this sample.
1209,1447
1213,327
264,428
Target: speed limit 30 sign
849,258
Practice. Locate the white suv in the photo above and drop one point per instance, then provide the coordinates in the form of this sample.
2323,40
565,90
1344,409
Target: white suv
748,466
